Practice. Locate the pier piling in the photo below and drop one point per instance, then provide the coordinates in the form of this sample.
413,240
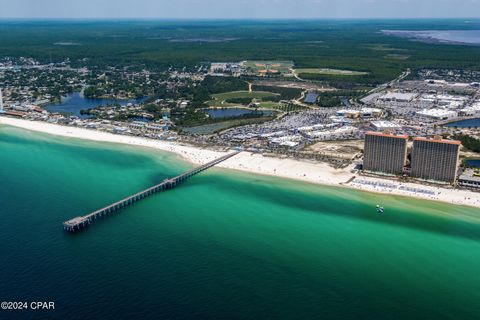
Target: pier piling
79,223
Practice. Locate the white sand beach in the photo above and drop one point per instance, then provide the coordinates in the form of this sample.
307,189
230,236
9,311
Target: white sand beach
314,172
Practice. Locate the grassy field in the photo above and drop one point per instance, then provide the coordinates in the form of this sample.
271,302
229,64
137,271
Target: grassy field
244,94
219,104
269,67
326,71
281,106
220,126
270,105
235,98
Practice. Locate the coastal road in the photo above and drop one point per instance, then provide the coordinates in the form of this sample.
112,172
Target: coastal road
394,81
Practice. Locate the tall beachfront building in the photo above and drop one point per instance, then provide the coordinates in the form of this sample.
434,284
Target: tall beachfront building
435,159
385,153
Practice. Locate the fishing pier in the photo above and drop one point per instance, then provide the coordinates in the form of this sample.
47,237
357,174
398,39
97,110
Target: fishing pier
79,223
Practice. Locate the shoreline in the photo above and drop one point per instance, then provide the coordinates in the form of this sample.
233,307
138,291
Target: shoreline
301,170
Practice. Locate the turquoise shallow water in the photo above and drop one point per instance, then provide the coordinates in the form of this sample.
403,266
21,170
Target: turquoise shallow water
225,245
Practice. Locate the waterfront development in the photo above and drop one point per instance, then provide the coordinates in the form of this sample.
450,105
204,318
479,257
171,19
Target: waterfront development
74,103
242,247
304,170
270,169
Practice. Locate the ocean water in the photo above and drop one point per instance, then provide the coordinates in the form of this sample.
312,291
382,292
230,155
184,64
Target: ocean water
224,245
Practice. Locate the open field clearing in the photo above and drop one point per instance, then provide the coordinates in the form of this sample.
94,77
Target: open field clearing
281,106
243,94
269,67
326,71
385,47
396,56
223,125
340,149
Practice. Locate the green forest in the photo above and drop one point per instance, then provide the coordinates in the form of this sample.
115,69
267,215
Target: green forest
468,142
158,45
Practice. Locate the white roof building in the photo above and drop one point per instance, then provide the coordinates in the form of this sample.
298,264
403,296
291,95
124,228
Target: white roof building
287,141
343,132
317,127
437,114
398,96
384,125
273,134
473,110
340,120
371,112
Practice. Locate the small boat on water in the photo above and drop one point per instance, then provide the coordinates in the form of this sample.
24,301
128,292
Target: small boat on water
380,209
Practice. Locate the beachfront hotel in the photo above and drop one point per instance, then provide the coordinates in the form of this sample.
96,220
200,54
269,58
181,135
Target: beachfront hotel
435,159
385,153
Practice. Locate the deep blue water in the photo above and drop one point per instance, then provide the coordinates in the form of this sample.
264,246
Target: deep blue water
75,102
473,162
465,123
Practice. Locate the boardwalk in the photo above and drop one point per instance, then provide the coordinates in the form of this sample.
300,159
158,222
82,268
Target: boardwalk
79,223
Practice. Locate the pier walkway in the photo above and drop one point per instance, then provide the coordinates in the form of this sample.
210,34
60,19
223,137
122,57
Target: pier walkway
79,223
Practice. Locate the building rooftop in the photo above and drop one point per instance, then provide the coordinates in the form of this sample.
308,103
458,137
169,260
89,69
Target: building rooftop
371,110
438,140
385,124
348,111
469,178
398,96
379,134
436,113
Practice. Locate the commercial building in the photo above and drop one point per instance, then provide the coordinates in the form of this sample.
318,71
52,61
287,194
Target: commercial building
473,110
371,112
398,96
353,114
316,127
437,114
342,133
363,113
384,125
435,159
385,153
470,179
14,113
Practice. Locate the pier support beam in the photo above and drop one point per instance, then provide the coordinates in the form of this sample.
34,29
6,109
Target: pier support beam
79,223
